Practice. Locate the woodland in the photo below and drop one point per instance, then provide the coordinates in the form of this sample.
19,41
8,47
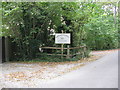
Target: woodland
32,24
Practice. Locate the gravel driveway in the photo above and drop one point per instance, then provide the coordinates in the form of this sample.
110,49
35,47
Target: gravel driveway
30,75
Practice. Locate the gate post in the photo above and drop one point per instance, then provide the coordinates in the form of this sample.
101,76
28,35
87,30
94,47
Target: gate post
3,49
0,49
6,48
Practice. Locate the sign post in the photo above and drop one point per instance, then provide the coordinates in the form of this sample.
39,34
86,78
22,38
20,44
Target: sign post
62,46
62,38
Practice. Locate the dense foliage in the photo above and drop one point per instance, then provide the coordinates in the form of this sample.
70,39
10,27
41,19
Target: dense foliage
30,24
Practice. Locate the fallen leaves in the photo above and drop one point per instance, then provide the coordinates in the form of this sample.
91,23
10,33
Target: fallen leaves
16,76
47,70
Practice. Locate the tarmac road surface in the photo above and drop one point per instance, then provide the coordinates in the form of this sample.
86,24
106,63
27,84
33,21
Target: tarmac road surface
102,73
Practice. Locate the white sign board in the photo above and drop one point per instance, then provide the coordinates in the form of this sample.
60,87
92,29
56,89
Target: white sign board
62,38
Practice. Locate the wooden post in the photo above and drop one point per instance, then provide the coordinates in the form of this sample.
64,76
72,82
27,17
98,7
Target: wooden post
84,50
62,46
6,48
62,50
1,59
3,49
68,51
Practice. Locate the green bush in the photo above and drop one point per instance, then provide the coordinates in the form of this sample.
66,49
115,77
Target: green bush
89,24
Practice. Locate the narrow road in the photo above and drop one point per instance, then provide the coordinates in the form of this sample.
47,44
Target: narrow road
102,73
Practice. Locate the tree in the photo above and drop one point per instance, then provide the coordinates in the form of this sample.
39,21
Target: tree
89,23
